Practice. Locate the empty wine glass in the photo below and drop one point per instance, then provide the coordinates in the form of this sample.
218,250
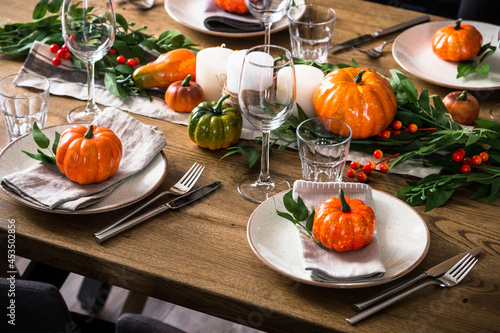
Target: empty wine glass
88,28
268,11
266,98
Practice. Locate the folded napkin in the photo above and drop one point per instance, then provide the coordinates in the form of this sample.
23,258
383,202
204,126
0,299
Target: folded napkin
220,20
361,265
44,185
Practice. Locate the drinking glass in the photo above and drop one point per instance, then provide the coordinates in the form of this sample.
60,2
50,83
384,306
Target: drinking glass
266,98
268,11
88,28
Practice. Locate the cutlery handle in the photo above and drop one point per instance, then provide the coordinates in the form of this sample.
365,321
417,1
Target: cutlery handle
401,26
376,308
388,292
104,236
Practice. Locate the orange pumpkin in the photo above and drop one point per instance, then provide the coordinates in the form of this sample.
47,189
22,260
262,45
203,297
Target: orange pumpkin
344,224
88,154
184,96
457,42
360,97
233,6
463,107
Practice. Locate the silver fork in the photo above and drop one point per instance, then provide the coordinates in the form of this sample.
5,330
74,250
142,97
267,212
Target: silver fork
376,51
184,185
448,280
146,4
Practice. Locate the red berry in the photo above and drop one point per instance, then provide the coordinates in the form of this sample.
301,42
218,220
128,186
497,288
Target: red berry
384,167
66,55
385,134
476,160
54,48
362,178
396,132
354,165
56,61
467,160
131,62
351,173
413,128
64,47
465,168
457,156
72,38
120,59
112,51
369,167
461,151
137,61
397,124
378,154
484,156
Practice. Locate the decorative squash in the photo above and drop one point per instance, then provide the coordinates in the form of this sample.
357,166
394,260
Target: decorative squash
184,96
88,154
360,97
233,6
457,42
171,66
215,125
344,224
463,107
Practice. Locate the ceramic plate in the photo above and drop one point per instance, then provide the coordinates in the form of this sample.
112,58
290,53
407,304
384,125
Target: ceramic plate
134,189
403,236
191,13
413,51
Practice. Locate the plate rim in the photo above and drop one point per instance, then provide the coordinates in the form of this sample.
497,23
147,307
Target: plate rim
443,23
84,210
343,285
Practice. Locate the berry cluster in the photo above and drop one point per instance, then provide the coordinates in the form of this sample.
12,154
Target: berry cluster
63,53
397,127
361,172
459,156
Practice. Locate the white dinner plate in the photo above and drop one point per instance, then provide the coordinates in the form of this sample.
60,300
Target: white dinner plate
413,51
403,240
191,13
132,190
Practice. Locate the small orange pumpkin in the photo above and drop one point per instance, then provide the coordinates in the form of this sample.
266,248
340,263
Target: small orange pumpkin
184,96
88,154
457,42
463,107
360,97
344,224
233,6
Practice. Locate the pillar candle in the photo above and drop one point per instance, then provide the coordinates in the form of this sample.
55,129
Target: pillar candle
308,79
234,64
211,70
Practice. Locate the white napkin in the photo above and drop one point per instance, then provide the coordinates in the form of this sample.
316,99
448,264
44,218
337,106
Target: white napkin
220,20
45,185
361,265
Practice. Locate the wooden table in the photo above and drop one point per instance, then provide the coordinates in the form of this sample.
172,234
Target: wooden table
200,258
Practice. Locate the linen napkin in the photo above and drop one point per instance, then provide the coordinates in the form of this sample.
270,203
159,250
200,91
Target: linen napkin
217,19
45,185
361,265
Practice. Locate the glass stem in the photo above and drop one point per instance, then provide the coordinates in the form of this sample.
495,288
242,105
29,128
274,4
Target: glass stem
267,38
264,176
90,87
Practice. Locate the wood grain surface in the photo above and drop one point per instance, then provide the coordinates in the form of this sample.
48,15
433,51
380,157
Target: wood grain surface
199,257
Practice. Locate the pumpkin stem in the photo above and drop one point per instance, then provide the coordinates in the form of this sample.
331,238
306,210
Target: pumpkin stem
344,205
359,76
463,96
218,106
90,132
185,83
457,24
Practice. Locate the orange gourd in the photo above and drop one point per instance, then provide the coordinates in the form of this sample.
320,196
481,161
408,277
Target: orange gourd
457,42
360,97
233,6
184,96
463,107
344,224
88,154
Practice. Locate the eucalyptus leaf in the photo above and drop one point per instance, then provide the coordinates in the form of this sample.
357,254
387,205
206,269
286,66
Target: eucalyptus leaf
40,139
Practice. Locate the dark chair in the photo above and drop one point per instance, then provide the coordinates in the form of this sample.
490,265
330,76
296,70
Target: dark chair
135,323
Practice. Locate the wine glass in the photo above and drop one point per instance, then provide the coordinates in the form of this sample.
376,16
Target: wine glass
88,28
266,98
268,11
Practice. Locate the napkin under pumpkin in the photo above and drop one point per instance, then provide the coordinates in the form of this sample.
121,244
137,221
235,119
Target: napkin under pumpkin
362,265
44,185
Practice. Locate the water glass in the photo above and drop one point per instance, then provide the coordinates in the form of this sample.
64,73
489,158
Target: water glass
311,30
24,100
323,145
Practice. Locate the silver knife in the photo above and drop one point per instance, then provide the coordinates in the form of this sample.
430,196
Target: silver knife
119,226
380,33
435,271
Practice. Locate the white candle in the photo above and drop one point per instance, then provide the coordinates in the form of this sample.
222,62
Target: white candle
234,64
260,75
211,70
308,79
286,86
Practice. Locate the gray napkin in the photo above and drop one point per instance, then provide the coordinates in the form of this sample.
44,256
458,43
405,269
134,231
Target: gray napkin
45,185
361,265
222,21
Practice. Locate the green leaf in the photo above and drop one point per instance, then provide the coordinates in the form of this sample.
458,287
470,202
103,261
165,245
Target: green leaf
289,203
437,198
54,6
286,216
40,9
41,157
40,139
483,69
482,192
495,191
465,67
301,212
310,220
56,142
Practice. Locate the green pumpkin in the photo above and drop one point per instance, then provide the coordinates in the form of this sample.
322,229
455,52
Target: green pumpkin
215,125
